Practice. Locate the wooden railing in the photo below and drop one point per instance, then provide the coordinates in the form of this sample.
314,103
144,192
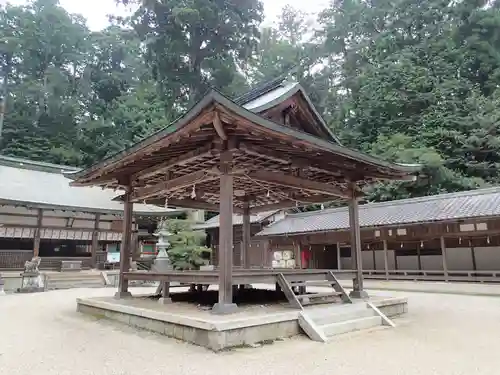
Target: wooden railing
464,276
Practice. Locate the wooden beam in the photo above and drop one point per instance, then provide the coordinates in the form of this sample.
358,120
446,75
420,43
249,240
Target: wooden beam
174,184
38,232
219,128
95,240
188,157
282,179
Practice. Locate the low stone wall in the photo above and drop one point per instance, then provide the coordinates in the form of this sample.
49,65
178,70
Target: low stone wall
203,333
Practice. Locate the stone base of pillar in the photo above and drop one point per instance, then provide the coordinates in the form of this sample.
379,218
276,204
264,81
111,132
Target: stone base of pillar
165,301
359,294
224,308
119,295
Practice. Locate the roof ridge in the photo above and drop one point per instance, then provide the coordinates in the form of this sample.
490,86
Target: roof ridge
399,202
260,89
13,162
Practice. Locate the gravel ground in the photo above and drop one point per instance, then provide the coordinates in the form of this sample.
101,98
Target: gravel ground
41,334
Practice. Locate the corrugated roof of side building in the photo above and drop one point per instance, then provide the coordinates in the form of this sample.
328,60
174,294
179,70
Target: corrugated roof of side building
452,206
43,185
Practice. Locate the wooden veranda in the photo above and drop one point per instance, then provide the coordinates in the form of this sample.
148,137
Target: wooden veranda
223,156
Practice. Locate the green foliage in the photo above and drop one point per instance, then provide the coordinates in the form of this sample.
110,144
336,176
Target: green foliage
186,251
192,45
408,81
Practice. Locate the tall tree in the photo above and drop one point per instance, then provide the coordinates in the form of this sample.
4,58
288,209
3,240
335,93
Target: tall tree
194,44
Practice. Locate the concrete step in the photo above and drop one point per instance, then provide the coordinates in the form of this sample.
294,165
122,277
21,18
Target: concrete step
329,317
74,280
338,328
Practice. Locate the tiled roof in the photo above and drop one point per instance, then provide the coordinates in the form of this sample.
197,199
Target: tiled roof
452,206
237,220
42,185
260,90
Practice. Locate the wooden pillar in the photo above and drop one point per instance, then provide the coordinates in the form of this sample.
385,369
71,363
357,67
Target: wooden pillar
245,243
95,240
38,233
125,245
225,304
374,259
339,259
473,256
443,255
395,259
357,290
419,258
386,260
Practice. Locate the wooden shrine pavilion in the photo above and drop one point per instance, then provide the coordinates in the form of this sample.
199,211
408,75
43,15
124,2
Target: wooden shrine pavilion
267,150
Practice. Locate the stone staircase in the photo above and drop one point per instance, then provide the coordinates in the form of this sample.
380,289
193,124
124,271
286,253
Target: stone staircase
69,280
323,323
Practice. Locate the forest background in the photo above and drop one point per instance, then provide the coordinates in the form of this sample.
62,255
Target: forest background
410,81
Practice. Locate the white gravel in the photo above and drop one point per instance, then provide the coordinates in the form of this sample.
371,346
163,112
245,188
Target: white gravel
42,334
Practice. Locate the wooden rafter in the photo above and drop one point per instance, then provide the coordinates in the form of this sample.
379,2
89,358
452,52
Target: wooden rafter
286,180
180,160
174,184
219,128
283,159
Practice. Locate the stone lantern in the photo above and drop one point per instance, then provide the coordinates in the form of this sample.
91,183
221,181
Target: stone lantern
162,261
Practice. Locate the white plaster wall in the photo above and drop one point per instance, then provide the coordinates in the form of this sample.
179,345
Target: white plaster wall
459,259
83,224
346,263
17,210
367,259
54,222
408,262
20,220
390,260
487,258
431,262
58,213
379,259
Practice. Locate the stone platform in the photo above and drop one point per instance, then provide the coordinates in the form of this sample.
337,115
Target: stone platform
252,324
